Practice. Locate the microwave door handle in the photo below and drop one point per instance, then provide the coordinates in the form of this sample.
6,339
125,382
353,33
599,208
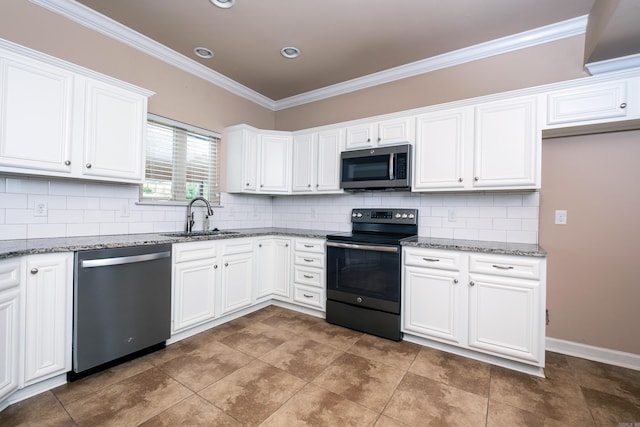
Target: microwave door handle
391,161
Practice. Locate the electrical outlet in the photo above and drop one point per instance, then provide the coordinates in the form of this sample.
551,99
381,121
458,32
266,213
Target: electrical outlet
561,217
452,215
40,208
124,209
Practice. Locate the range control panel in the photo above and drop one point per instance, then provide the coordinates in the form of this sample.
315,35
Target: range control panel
385,216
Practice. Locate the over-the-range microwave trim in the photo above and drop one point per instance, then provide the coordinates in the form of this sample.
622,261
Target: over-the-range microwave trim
394,173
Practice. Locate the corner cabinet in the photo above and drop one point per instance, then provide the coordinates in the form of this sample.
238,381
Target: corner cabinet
258,161
485,303
9,326
273,278
494,145
58,119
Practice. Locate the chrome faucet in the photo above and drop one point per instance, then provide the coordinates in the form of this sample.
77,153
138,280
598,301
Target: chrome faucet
190,220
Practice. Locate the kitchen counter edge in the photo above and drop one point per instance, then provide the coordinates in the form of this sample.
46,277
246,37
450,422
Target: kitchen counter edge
500,248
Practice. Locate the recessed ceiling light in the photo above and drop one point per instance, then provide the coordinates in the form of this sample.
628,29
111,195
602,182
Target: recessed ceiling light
203,52
290,52
224,4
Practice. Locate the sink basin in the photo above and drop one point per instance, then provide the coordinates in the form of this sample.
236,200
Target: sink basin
200,233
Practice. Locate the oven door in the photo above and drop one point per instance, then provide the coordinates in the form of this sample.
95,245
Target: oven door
364,274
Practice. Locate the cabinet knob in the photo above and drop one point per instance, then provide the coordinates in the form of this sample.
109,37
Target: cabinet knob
215,266
247,184
226,264
623,105
34,271
67,162
368,139
475,178
460,179
261,185
379,139
472,283
286,245
260,245
308,185
455,281
88,165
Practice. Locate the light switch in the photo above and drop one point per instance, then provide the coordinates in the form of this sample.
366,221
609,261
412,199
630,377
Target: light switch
561,217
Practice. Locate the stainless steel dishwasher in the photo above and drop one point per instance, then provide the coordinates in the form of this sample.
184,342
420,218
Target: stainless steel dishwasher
122,305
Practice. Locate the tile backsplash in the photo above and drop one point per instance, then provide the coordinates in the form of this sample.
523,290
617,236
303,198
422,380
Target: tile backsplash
39,207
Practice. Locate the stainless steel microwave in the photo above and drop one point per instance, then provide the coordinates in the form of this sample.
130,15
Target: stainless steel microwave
385,168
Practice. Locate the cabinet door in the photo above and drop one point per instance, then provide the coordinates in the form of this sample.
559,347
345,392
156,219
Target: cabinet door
594,102
250,153
9,326
48,307
194,293
274,265
440,149
433,304
507,144
236,281
330,145
304,163
113,132
275,164
35,116
396,131
360,136
506,317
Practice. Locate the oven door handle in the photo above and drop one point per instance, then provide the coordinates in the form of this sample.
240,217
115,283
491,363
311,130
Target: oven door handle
364,247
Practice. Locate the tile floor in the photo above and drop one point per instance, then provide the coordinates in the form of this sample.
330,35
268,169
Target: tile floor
277,367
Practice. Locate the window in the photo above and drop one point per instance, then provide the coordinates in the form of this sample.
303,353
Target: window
181,162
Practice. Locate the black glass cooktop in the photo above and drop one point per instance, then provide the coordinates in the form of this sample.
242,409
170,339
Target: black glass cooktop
374,238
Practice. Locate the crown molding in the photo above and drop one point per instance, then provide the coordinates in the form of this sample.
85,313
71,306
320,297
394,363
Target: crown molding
95,21
104,25
615,64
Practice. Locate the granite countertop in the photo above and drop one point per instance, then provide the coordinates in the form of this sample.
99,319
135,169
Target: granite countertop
20,247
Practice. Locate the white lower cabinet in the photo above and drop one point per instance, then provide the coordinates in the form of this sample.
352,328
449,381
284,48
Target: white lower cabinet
48,308
493,304
273,278
9,326
236,281
309,273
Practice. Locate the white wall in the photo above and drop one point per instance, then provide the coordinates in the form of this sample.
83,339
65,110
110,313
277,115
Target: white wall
82,208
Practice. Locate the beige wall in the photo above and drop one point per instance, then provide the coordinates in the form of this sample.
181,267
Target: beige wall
548,63
593,294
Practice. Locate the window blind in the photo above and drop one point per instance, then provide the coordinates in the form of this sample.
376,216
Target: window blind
181,162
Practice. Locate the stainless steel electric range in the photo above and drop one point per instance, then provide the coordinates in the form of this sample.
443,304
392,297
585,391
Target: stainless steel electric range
364,268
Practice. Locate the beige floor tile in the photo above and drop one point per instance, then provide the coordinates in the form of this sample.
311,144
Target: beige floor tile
303,358
461,372
384,421
361,380
40,410
228,328
256,339
314,406
333,335
129,402
193,411
419,401
205,365
253,392
501,415
71,392
557,396
398,354
292,322
611,409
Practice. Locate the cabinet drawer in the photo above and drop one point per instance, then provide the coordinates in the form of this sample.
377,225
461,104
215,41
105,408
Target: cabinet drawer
309,296
429,258
309,259
191,251
510,266
308,276
237,246
316,246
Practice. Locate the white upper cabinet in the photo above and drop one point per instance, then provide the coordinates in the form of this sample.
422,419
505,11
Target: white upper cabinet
386,132
494,145
114,132
508,144
69,122
35,116
602,102
316,161
259,161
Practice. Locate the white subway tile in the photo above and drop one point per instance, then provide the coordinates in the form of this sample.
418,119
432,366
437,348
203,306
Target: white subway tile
530,225
91,216
16,201
480,223
522,237
42,231
83,230
522,212
113,228
23,216
494,212
67,188
507,199
65,216
11,232
3,184
27,186
77,202
442,233
507,224
53,202
492,235
531,199
466,234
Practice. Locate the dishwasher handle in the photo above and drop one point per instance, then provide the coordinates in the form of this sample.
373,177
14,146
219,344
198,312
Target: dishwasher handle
103,262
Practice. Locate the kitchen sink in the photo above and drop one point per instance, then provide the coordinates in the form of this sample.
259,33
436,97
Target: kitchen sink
215,232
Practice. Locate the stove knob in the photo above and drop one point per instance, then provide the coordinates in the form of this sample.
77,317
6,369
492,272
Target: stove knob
353,215
359,299
398,215
405,216
359,215
411,216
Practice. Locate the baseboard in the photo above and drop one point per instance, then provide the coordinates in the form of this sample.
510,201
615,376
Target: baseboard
597,354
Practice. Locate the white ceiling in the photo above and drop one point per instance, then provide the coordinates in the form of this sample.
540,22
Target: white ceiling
340,40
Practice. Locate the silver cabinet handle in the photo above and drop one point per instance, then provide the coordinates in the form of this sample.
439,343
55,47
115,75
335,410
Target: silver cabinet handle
34,271
307,296
307,277
309,246
623,105
88,165
103,262
503,267
472,283
67,162
455,281
363,247
431,259
308,260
